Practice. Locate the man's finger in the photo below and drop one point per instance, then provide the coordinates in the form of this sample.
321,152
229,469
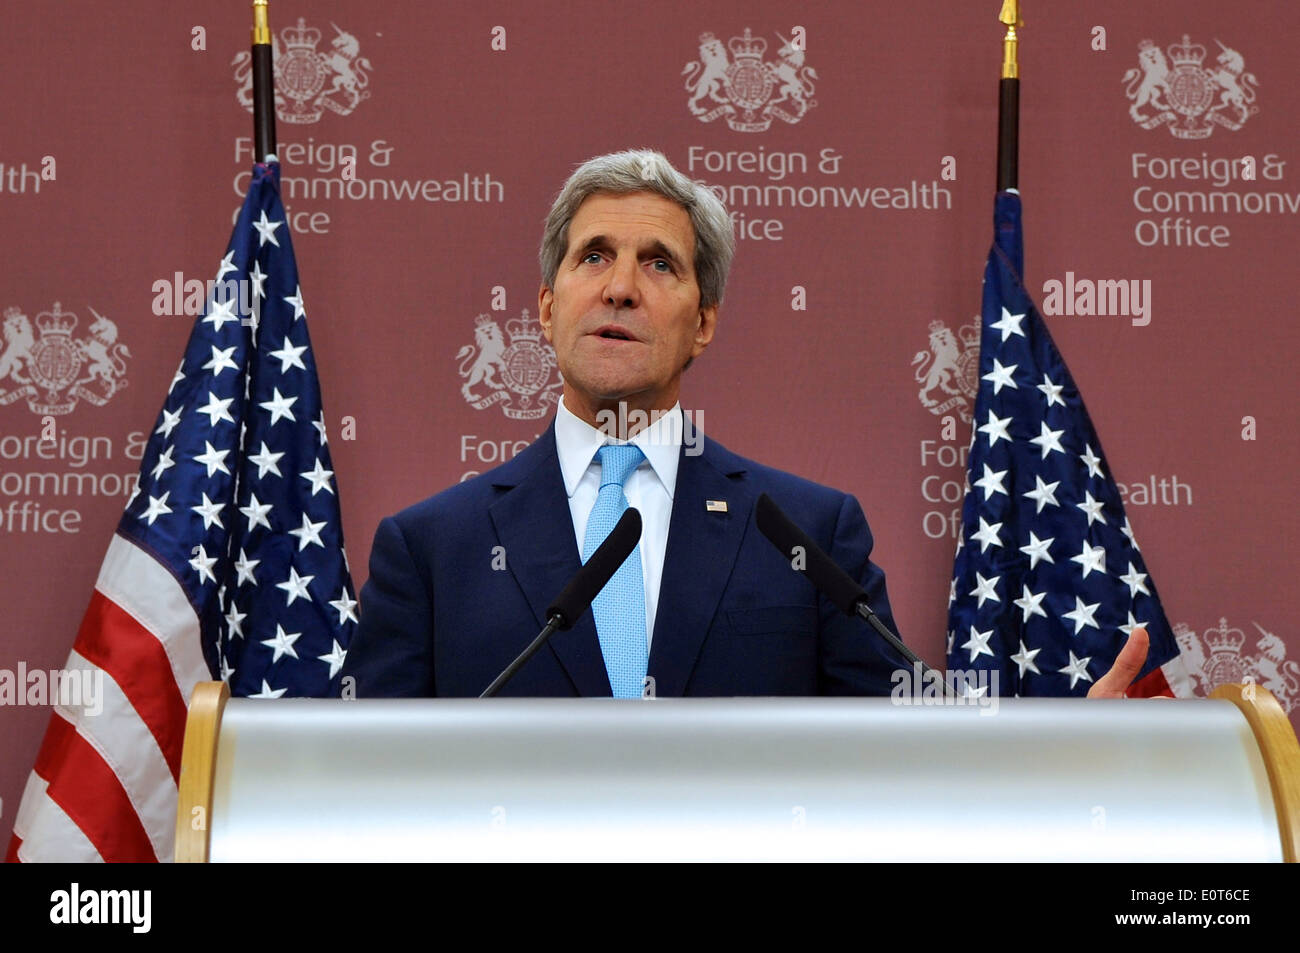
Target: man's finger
1127,664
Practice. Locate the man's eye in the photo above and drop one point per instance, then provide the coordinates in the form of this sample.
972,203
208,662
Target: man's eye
589,256
667,266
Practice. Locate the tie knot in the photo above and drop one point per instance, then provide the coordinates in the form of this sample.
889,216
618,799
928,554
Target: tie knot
617,461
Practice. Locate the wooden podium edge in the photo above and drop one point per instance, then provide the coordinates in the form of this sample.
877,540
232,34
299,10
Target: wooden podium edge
198,764
1281,752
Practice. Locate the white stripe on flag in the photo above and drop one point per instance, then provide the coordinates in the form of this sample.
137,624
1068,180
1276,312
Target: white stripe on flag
127,746
142,586
48,835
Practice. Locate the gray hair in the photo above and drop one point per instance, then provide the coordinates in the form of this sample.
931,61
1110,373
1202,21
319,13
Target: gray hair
643,170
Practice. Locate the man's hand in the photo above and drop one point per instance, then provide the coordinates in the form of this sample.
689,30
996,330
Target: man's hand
1127,664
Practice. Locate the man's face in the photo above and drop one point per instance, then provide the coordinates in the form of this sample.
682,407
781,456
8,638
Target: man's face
624,316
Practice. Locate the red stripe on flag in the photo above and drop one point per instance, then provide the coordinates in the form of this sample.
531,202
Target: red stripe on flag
134,658
1150,685
14,843
88,791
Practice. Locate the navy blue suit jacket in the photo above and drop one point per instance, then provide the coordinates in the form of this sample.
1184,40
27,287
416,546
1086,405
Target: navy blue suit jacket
439,617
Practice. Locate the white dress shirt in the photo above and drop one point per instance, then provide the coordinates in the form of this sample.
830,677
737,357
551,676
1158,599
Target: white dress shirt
649,488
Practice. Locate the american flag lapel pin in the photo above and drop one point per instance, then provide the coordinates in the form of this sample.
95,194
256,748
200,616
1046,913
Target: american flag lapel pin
715,506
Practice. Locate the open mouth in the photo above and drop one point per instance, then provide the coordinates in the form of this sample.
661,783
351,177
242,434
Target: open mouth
611,333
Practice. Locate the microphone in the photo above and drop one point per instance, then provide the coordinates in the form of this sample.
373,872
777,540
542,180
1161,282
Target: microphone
811,560
585,585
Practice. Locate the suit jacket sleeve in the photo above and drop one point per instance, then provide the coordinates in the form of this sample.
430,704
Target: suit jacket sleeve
391,654
853,658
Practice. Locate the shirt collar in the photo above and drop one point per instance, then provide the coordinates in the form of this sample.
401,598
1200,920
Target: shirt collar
577,441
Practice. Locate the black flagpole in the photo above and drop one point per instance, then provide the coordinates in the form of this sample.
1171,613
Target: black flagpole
263,85
1009,100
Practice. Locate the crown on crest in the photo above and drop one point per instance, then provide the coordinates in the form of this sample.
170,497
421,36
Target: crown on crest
482,320
12,311
522,329
57,321
1187,53
748,46
301,37
1224,639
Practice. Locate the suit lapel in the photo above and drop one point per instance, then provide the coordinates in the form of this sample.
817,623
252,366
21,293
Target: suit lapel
533,523
702,550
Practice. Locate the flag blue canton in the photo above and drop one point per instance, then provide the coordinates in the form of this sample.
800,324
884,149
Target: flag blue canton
237,495
1048,580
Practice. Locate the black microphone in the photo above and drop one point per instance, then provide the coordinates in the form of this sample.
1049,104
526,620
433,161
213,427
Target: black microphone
585,585
833,582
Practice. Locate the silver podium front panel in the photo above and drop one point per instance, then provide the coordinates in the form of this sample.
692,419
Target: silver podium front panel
739,779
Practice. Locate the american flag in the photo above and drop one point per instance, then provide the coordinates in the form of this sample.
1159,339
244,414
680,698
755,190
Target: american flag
228,563
1048,579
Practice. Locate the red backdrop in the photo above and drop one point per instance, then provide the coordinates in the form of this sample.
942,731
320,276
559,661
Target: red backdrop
125,141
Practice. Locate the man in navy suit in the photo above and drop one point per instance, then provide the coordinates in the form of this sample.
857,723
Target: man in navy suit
634,261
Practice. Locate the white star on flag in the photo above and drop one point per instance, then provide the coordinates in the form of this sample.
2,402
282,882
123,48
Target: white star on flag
991,482
1052,391
244,568
1031,603
256,512
1009,324
978,643
1082,615
1024,659
1000,376
279,406
266,461
296,300
335,658
996,428
295,586
210,511
221,360
220,313
308,534
319,478
212,458
1136,582
169,421
289,356
1077,669
202,563
1044,494
984,589
1048,440
346,607
1037,549
157,507
266,230
217,409
164,463
282,643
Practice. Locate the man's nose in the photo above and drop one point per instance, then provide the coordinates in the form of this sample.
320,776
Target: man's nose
621,290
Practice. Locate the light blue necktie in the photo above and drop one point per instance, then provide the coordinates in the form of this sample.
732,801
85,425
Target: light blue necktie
619,608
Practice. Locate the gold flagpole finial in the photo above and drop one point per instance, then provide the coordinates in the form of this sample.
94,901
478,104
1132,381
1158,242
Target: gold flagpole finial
261,23
1010,16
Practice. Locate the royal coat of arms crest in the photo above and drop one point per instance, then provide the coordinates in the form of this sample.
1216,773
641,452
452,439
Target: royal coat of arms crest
54,370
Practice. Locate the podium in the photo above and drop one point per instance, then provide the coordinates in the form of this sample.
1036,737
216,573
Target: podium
738,779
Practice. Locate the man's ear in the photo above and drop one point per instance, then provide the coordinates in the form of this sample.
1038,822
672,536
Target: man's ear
705,329
544,298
